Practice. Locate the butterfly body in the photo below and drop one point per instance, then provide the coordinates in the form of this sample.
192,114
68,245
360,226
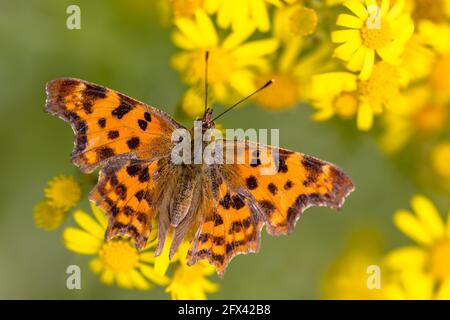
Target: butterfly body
221,207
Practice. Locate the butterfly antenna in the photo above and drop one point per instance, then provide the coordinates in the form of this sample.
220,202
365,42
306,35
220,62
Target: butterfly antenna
206,79
268,83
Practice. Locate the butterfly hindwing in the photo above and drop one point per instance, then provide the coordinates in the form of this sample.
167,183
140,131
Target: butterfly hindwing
107,123
229,228
126,192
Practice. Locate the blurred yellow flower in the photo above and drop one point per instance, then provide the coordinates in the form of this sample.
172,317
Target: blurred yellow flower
343,94
292,76
426,227
63,192
433,10
231,62
294,21
439,79
239,13
373,29
421,117
193,103
190,282
440,159
417,61
116,261
416,286
48,217
186,8
347,277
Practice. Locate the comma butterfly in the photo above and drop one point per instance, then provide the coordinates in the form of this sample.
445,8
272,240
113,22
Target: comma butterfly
221,207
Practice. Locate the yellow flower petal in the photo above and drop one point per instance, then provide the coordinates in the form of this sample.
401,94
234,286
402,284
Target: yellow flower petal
183,42
364,119
225,13
80,241
448,224
260,15
86,222
107,277
367,67
237,37
190,30
206,28
256,48
357,60
346,50
139,281
443,292
410,258
153,276
417,286
344,35
357,8
429,216
411,226
162,261
124,280
100,215
96,265
346,20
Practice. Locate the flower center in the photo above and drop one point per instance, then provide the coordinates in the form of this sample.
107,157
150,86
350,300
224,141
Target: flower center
382,87
439,76
119,256
220,64
303,21
346,105
281,95
431,119
433,10
185,8
440,260
376,34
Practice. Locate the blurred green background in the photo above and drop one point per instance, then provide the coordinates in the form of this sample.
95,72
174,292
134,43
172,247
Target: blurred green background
123,45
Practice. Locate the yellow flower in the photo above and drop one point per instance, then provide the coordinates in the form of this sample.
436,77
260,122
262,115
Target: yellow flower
190,282
347,277
63,192
116,261
342,94
48,217
231,62
421,117
416,286
372,30
440,159
239,13
294,21
425,226
417,61
193,103
439,79
433,10
292,76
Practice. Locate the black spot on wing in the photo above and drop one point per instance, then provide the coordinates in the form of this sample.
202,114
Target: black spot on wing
133,143
252,183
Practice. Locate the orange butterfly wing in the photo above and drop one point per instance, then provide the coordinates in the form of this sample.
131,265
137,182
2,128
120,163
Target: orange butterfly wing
230,227
123,135
126,191
266,185
108,124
